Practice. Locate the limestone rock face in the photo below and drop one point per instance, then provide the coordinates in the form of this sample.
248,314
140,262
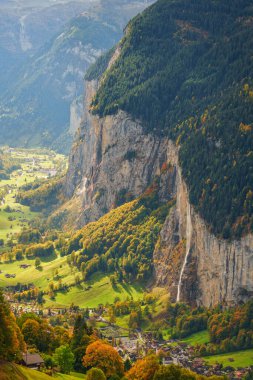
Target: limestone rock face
216,270
111,158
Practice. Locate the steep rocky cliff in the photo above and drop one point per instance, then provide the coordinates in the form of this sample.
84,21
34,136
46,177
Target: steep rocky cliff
113,157
191,262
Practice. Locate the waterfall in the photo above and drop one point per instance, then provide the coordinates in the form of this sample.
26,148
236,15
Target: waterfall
23,37
76,112
83,189
188,247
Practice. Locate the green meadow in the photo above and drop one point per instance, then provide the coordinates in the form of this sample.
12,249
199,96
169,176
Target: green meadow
198,338
98,290
34,164
232,359
17,372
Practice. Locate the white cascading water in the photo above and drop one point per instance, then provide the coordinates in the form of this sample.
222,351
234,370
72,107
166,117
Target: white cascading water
188,247
83,188
76,112
23,37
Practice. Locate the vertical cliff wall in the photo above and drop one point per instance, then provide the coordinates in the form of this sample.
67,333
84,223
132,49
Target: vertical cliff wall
111,159
192,263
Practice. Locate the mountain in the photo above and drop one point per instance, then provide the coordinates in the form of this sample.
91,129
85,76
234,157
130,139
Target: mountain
190,88
175,103
28,25
41,96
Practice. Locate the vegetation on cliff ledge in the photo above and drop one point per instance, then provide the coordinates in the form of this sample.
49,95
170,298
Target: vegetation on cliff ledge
122,241
185,70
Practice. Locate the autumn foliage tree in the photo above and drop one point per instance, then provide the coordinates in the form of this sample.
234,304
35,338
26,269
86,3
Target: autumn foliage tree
11,339
101,355
144,369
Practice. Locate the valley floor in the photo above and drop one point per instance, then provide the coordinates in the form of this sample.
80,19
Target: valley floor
58,273
34,164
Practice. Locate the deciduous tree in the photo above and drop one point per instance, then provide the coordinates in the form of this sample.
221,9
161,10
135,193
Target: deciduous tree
101,355
64,357
144,369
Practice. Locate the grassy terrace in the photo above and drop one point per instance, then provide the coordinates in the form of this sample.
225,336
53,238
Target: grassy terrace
40,278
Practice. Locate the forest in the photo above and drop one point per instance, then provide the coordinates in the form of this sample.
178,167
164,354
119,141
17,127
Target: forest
229,329
122,241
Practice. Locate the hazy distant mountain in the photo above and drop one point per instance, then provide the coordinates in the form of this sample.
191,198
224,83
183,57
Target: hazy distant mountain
45,52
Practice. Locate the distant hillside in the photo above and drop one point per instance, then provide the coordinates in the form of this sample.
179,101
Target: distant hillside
37,105
185,70
41,97
26,26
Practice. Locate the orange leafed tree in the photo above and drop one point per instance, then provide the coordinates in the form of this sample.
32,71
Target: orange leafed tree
144,369
11,339
101,355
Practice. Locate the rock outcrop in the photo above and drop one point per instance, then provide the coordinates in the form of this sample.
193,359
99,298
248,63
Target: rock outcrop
111,159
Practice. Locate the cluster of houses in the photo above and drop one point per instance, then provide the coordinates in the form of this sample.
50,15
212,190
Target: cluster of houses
8,275
138,345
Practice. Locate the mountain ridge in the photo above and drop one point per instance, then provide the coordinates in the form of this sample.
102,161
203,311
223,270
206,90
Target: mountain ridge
39,92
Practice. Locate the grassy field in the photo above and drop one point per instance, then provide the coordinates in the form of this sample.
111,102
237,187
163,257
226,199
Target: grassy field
9,371
40,278
35,164
239,359
12,222
98,290
200,337
14,372
71,376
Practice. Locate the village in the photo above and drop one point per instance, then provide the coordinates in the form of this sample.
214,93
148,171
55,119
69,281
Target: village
133,344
